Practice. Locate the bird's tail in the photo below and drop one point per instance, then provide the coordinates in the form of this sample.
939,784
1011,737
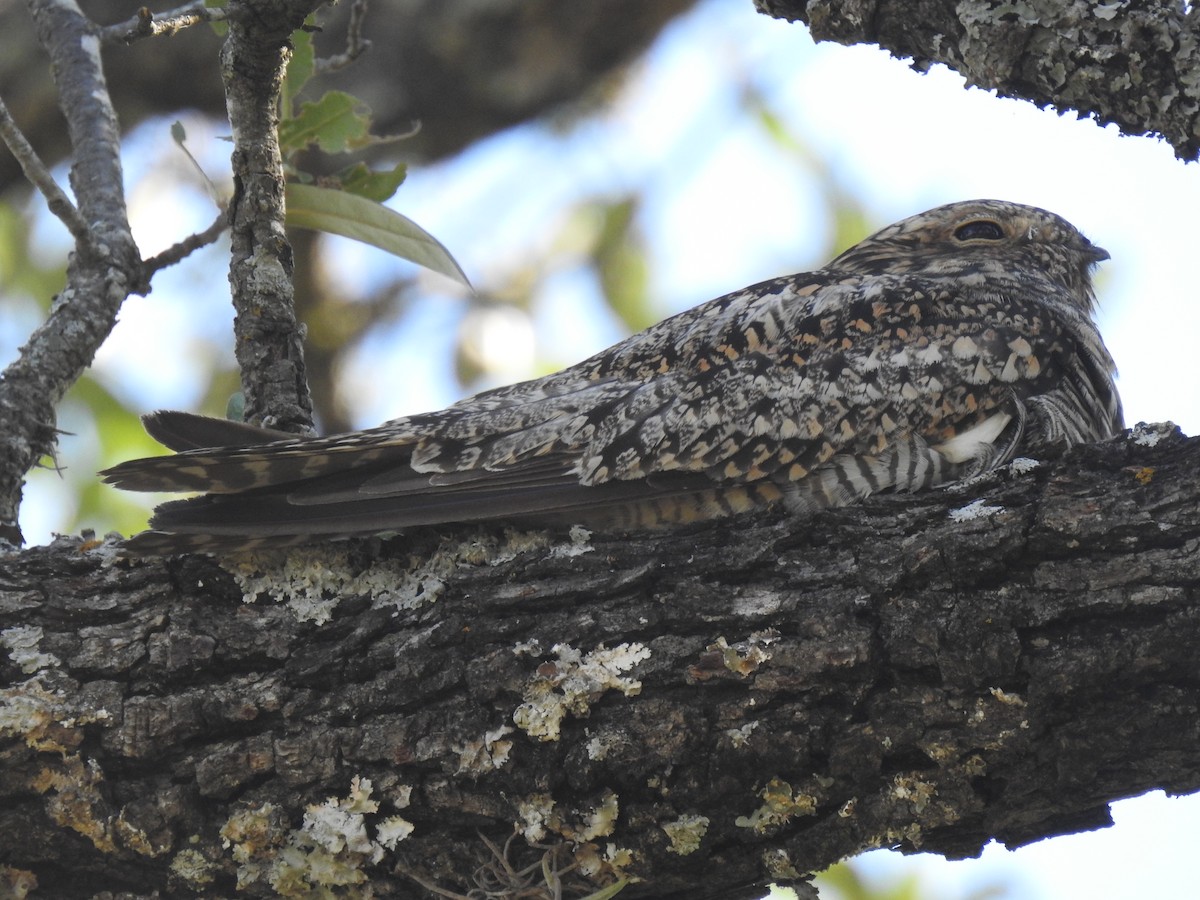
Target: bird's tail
211,462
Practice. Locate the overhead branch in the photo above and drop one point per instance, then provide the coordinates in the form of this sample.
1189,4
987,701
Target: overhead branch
1135,65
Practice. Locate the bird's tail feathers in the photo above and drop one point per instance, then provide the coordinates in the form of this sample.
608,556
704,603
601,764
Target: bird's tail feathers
272,518
226,469
181,431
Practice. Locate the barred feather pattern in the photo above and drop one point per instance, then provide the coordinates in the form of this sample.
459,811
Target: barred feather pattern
934,350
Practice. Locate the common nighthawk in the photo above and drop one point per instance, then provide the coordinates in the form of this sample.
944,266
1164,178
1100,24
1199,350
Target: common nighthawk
934,350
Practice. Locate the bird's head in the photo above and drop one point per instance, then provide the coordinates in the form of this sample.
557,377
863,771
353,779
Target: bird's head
990,239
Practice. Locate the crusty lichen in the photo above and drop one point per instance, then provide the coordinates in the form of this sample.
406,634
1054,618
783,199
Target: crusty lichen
193,868
686,833
73,800
535,811
578,543
744,657
580,824
779,865
1006,698
312,580
611,861
587,823
566,838
17,883
916,792
780,803
21,642
485,754
976,509
50,722
740,737
327,856
572,683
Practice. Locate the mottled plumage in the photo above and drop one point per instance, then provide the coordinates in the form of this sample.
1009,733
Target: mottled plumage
937,348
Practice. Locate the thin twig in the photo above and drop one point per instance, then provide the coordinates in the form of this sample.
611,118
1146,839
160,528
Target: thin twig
187,246
356,44
35,170
147,24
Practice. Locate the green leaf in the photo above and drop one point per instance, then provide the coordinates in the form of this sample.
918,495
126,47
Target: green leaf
220,28
336,123
235,407
378,186
352,216
609,892
300,69
620,260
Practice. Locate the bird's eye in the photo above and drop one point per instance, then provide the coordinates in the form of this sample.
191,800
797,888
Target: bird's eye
982,230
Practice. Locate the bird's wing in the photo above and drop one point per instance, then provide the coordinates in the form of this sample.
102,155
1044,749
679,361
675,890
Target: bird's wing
775,381
746,393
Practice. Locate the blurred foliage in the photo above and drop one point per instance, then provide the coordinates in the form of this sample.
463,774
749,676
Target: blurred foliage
851,221
24,280
618,254
113,435
849,880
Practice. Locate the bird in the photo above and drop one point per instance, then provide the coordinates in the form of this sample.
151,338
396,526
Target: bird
934,350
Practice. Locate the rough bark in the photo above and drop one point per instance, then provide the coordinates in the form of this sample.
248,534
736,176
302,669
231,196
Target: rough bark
268,339
706,710
1133,64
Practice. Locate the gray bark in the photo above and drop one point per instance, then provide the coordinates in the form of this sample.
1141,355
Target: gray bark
733,704
268,339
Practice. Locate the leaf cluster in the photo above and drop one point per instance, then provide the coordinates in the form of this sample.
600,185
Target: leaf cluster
351,201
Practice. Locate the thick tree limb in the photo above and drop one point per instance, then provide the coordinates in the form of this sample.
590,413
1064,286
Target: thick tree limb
1133,64
706,710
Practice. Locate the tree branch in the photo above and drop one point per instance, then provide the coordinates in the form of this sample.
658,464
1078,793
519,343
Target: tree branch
356,44
1131,64
269,342
706,710
189,245
146,24
39,176
103,270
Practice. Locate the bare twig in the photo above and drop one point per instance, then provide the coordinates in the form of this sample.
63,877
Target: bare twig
356,44
188,245
147,24
103,271
36,171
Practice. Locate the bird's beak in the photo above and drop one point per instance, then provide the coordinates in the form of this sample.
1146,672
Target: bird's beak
1095,254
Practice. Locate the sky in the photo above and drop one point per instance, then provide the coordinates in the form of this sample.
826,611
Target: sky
725,207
